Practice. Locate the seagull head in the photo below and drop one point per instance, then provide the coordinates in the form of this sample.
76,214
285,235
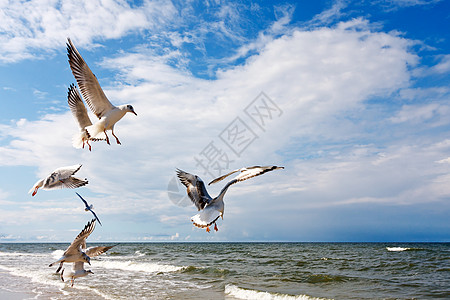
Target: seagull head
130,108
86,258
36,186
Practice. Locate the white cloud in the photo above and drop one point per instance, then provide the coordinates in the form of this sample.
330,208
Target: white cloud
31,26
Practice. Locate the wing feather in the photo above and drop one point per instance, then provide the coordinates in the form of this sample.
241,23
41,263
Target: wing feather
87,82
95,251
73,182
81,238
195,189
77,107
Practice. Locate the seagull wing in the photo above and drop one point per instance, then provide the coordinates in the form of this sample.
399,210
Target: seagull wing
62,178
80,240
84,201
95,251
72,182
250,172
223,177
87,82
247,173
77,107
195,189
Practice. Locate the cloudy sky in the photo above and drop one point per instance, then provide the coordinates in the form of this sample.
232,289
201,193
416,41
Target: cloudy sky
351,97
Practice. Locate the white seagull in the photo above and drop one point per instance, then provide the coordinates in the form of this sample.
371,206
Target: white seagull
94,96
78,267
77,250
89,208
80,113
211,209
58,179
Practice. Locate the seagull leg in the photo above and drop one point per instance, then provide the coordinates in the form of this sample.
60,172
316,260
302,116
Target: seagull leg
87,142
117,140
207,229
73,280
107,139
215,227
62,277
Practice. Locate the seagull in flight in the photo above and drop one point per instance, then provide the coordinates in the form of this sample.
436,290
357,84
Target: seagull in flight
78,267
77,250
58,179
106,112
81,116
212,208
89,208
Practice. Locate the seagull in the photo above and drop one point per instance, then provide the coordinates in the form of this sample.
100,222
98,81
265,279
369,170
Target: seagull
75,252
89,208
78,267
60,178
94,96
211,209
80,113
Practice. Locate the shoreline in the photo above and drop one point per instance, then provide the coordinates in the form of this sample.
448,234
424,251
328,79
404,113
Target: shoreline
10,294
13,295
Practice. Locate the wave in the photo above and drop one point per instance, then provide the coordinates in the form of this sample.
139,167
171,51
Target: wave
247,294
138,266
397,249
206,270
50,279
17,254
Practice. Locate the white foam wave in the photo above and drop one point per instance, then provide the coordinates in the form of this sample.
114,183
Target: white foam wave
397,249
241,293
137,266
57,253
50,279
16,254
139,253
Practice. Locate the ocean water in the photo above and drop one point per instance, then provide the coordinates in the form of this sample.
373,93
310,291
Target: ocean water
236,271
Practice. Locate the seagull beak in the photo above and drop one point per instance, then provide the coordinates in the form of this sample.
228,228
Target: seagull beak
35,191
134,113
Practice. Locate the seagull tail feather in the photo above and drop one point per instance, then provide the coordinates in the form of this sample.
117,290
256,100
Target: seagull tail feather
77,140
95,131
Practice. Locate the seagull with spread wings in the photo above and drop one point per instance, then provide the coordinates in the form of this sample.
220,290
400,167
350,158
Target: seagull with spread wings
212,208
77,250
78,269
58,179
89,208
79,111
107,113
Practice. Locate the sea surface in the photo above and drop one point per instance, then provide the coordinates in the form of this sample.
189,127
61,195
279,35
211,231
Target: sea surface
236,271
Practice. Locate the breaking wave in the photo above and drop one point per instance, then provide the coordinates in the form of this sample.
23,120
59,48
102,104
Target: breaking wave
248,294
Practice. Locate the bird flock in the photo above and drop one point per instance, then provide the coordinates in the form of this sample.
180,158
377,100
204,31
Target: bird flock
210,209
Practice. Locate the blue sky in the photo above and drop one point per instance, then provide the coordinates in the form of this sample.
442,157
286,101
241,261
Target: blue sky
351,97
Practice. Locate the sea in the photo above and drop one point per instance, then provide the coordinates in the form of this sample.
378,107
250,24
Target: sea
285,271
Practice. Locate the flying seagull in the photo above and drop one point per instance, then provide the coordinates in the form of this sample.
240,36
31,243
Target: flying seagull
81,116
76,251
94,96
78,267
89,208
211,209
58,179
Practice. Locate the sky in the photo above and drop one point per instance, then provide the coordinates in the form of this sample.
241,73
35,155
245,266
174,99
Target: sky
351,97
